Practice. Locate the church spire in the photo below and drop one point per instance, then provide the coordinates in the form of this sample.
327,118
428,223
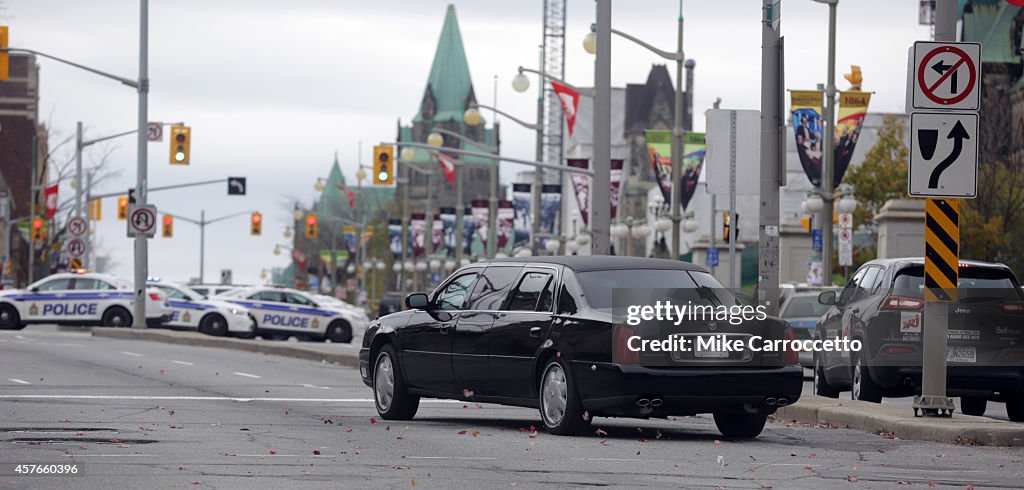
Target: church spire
449,88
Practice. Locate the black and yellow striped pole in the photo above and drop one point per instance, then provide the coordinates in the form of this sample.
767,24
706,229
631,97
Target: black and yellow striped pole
941,249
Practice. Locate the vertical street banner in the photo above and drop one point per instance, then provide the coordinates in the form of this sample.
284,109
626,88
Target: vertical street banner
417,234
616,183
448,221
581,187
50,195
468,229
695,147
480,213
659,151
853,107
807,127
437,234
550,204
506,217
447,166
522,200
349,235
395,237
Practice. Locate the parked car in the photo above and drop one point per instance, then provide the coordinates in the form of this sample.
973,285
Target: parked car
211,290
883,307
799,306
283,312
390,302
540,333
191,311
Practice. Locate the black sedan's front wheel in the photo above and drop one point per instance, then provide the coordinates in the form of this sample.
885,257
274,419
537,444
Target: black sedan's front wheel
560,408
393,400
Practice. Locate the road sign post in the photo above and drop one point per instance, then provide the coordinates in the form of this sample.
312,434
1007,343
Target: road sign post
142,221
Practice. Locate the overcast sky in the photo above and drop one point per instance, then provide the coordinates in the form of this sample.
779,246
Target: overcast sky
272,89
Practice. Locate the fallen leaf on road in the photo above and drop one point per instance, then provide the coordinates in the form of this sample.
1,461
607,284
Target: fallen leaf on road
373,421
718,443
461,432
720,460
852,479
586,416
414,482
316,452
243,428
808,468
476,433
467,393
604,443
600,432
273,452
396,467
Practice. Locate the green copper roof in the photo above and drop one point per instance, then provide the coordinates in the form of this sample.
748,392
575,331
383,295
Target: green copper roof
449,76
990,23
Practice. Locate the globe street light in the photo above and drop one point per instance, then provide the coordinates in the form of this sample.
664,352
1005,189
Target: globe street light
298,214
590,43
435,140
407,154
288,232
318,186
277,250
520,83
472,117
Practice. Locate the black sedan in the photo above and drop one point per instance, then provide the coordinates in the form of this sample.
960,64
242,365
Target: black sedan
882,306
542,333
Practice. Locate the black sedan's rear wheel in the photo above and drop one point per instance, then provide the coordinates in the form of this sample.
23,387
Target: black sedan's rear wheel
560,408
740,425
390,395
821,386
973,405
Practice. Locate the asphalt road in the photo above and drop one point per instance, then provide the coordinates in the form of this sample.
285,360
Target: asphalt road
135,414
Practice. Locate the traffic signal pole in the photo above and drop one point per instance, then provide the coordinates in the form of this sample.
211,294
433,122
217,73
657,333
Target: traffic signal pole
202,222
771,159
141,177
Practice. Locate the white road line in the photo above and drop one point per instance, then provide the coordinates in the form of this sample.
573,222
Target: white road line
624,460
184,363
133,354
471,458
19,381
110,455
247,375
283,455
203,398
315,386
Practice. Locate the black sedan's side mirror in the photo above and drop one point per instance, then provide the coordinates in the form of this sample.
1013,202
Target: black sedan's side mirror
827,298
417,301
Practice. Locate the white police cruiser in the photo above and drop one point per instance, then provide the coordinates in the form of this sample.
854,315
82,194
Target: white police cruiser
191,310
283,312
85,298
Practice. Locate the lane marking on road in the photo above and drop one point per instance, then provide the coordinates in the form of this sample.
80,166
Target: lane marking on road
204,398
133,354
19,381
282,455
247,375
622,460
67,344
111,455
315,386
471,458
184,363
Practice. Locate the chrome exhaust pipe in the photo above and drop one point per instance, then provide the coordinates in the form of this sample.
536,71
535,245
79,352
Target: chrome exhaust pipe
770,401
643,402
656,402
782,402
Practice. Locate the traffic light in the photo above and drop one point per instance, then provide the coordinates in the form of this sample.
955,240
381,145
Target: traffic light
311,223
256,229
383,165
168,229
37,230
725,225
122,208
5,58
181,140
96,209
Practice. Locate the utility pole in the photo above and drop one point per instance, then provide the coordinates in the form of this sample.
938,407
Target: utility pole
141,245
771,131
828,160
678,138
600,209
78,169
538,174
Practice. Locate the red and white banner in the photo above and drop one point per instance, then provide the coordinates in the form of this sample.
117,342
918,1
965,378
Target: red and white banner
447,165
506,219
570,100
50,193
581,187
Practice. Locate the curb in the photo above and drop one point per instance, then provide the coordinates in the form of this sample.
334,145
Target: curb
884,420
276,348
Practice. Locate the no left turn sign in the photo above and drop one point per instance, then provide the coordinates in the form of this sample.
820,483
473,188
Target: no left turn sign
155,131
946,75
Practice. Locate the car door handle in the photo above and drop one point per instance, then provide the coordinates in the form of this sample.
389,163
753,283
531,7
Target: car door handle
444,328
535,332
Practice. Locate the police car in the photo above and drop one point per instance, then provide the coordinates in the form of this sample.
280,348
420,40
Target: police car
190,310
282,312
78,299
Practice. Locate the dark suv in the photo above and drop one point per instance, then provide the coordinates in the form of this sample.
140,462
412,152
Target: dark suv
883,307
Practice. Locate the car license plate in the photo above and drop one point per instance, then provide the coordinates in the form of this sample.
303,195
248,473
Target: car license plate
961,354
710,353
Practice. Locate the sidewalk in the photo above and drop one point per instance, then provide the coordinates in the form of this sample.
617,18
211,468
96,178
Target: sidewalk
882,419
341,354
899,421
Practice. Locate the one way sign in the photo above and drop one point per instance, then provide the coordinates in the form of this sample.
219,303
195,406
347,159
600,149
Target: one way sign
943,155
236,186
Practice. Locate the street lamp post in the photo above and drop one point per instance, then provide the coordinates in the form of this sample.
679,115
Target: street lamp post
599,44
828,163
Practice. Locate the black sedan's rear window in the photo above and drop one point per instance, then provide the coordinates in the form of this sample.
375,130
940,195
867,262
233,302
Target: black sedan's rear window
598,286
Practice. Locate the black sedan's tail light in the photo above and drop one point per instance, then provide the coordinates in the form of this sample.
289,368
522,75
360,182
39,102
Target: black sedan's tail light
791,356
902,303
621,353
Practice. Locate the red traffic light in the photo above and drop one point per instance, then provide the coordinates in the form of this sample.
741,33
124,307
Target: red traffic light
311,219
256,218
37,223
168,220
